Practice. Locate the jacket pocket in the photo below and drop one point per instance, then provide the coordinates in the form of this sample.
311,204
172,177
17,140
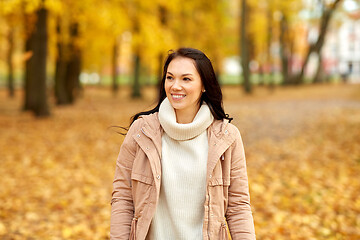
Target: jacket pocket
133,229
141,178
219,182
218,190
142,187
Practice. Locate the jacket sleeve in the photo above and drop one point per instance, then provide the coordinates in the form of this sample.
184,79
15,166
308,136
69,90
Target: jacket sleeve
122,208
238,214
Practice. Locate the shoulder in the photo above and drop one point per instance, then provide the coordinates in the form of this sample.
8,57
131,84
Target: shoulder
221,127
151,120
233,130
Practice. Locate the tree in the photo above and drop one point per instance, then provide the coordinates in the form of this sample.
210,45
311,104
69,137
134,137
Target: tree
136,92
61,94
73,19
258,22
316,47
10,59
73,64
244,46
143,23
260,30
136,89
285,52
36,82
288,30
29,25
112,26
268,54
319,75
115,75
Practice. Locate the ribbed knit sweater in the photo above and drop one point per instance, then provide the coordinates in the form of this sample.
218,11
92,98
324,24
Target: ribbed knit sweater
180,210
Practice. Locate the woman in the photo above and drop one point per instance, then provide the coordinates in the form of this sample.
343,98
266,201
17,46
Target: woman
181,170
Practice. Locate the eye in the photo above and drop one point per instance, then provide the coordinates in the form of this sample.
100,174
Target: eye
169,77
186,79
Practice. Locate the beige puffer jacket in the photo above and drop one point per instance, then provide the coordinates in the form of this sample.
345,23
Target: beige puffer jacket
137,183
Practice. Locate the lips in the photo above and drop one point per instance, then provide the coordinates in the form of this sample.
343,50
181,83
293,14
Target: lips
178,96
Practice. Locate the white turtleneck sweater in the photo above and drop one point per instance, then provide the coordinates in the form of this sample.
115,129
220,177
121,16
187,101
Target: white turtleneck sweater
180,210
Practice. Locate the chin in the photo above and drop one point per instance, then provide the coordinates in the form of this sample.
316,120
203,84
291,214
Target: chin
177,106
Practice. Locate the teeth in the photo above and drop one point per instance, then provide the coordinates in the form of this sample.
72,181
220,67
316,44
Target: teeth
178,96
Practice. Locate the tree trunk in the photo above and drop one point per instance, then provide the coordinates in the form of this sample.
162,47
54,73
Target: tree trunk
60,71
73,65
269,59
136,93
115,75
38,66
299,78
10,63
29,22
261,80
319,76
72,78
284,50
244,48
317,46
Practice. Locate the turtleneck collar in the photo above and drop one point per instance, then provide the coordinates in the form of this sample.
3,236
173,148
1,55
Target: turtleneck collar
178,131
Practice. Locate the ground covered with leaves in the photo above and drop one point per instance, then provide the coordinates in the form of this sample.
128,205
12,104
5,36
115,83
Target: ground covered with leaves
302,146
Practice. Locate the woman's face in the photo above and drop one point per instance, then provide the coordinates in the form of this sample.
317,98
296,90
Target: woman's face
183,86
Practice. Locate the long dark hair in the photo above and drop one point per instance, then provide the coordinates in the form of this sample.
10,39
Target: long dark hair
212,95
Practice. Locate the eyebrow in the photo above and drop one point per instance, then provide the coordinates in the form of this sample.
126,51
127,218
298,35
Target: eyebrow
185,74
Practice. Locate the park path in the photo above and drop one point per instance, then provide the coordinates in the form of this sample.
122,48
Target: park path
280,119
265,115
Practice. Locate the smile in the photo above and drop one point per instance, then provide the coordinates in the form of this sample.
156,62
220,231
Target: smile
178,96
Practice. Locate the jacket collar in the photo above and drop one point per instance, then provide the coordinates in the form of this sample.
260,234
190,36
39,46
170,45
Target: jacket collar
218,127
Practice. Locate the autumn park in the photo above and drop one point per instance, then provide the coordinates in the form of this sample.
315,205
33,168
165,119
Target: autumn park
72,72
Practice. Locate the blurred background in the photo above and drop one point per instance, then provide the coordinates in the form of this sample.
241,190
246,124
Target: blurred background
70,70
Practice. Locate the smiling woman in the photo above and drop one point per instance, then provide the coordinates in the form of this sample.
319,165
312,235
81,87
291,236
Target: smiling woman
204,68
183,88
181,161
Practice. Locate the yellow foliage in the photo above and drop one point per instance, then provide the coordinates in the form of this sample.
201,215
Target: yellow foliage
212,26
56,173
10,6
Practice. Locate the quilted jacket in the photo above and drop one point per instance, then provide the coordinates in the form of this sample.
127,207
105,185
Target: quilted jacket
137,183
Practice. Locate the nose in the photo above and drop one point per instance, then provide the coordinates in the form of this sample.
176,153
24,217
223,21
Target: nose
176,85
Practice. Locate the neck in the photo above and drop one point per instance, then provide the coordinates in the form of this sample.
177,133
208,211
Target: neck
177,128
185,116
